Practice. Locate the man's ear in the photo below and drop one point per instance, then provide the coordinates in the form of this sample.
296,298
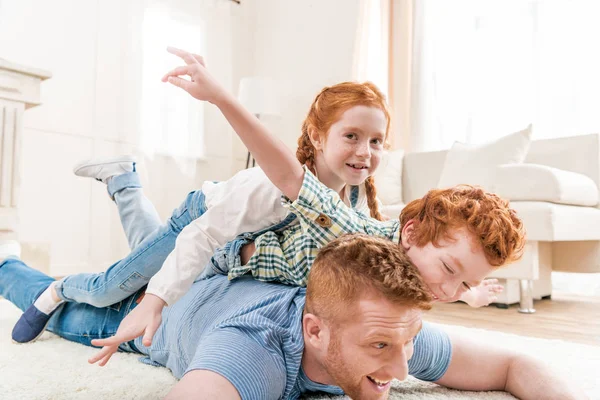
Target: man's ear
316,332
315,138
406,236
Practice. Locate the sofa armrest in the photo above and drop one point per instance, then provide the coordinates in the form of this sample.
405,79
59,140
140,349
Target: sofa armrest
535,182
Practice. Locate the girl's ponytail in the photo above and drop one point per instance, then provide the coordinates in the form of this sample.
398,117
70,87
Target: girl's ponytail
371,193
306,151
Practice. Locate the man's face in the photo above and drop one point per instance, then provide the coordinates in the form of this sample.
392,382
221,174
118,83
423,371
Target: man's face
374,347
452,267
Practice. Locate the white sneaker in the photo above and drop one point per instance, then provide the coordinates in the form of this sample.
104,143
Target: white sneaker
103,168
9,248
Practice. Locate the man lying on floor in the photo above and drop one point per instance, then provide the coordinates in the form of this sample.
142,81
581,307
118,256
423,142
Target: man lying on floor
356,327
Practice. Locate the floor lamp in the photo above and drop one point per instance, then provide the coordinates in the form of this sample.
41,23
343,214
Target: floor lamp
259,96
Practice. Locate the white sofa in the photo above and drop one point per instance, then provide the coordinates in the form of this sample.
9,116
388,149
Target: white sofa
555,192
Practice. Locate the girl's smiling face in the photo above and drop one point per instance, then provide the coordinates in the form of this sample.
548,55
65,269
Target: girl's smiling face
351,150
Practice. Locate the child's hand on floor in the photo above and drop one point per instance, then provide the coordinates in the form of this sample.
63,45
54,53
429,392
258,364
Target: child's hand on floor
143,320
483,294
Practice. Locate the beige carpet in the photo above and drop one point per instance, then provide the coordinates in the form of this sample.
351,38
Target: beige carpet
53,368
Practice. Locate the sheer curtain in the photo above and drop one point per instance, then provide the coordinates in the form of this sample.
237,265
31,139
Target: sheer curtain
171,121
371,54
486,68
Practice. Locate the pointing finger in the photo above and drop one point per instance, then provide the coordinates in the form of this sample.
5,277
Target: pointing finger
184,55
200,59
105,359
99,355
109,341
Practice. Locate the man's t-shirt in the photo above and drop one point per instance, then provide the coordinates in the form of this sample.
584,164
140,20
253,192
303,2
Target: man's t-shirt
250,332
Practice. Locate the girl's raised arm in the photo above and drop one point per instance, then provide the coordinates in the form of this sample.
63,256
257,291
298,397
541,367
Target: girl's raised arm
275,159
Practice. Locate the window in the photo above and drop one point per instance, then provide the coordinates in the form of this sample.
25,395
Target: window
486,68
172,122
371,55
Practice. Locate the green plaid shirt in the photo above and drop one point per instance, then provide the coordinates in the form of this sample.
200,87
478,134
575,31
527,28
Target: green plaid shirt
287,256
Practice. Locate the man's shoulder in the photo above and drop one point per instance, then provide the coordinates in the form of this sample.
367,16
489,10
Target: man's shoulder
267,297
271,313
245,296
265,334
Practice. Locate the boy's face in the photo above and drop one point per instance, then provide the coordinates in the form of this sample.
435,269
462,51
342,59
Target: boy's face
452,267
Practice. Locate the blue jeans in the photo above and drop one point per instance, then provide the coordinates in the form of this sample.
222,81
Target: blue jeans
76,322
149,241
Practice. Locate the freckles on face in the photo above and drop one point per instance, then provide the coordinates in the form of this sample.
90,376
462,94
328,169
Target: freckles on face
354,143
425,258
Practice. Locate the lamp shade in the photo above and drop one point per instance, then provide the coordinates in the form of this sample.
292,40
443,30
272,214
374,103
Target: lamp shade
259,95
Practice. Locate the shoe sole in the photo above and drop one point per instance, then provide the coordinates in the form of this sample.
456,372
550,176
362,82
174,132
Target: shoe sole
102,161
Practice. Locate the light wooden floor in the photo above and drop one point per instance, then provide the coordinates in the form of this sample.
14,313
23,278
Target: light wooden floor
565,317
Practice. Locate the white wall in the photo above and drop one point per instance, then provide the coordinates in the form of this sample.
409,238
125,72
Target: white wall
305,45
91,108
91,104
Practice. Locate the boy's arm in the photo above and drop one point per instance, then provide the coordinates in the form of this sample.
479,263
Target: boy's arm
276,160
245,203
222,222
193,249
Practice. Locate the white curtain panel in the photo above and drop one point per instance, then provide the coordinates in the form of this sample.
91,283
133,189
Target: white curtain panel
485,68
171,122
371,44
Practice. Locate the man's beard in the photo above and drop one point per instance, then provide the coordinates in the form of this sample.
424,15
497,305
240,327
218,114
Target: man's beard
342,373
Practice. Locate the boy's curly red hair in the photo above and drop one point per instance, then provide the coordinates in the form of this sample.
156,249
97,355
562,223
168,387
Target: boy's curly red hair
488,217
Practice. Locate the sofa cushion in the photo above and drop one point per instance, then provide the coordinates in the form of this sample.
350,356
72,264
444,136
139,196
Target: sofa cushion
476,165
558,222
534,182
391,211
388,177
421,173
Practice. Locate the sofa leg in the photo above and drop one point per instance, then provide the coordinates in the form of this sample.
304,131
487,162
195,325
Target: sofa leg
526,303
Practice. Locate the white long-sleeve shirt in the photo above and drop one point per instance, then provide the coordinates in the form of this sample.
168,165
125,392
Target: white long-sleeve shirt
248,202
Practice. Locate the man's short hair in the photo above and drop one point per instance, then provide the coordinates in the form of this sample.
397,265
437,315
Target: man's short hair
488,217
355,264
